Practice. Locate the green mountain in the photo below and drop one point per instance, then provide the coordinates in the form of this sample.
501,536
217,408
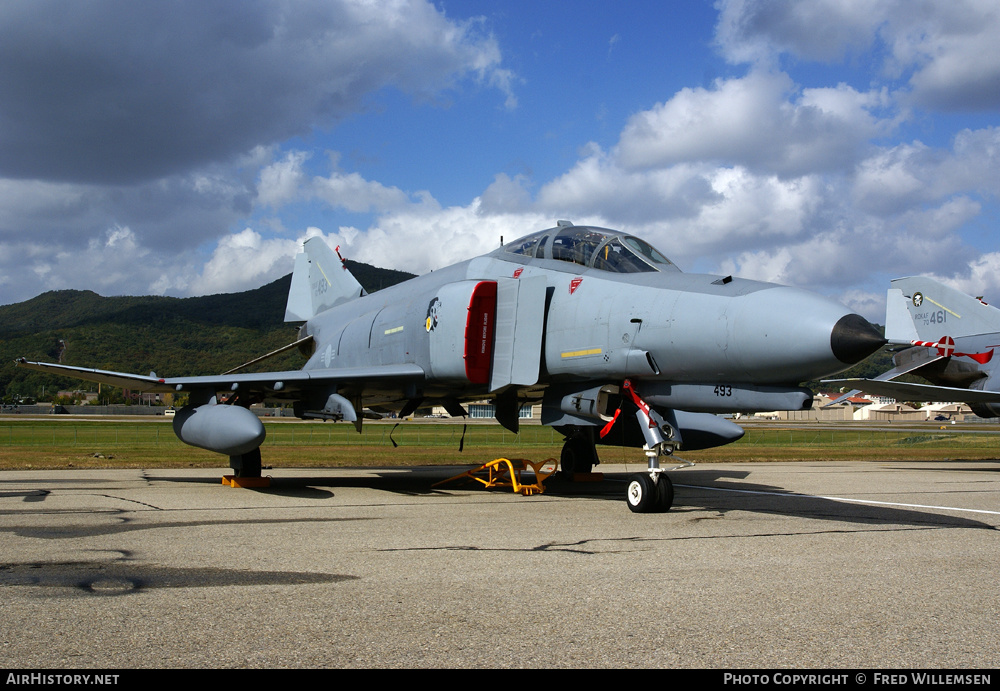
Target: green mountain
171,336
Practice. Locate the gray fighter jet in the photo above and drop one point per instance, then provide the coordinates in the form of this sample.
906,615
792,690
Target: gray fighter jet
616,343
951,337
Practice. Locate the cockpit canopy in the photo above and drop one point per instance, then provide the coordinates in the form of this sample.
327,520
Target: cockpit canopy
598,248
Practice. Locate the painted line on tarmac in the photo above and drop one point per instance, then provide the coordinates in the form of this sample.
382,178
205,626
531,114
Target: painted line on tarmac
844,500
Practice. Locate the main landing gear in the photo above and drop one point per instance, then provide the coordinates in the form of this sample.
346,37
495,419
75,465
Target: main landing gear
579,453
246,471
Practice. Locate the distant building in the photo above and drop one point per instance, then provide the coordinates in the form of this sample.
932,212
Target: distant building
85,397
486,410
951,411
820,410
888,412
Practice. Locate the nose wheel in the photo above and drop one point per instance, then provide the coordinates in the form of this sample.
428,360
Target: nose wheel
649,493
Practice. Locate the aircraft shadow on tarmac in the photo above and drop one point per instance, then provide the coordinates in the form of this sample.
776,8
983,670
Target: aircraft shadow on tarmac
697,489
122,575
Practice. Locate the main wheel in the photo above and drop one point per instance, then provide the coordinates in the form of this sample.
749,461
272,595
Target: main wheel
577,457
641,493
247,465
664,493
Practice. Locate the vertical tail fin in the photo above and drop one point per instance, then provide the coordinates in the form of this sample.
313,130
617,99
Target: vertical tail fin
921,309
320,280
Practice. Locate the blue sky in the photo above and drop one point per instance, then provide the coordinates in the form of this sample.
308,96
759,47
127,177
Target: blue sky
186,148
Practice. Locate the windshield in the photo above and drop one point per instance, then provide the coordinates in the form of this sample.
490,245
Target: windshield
614,256
593,247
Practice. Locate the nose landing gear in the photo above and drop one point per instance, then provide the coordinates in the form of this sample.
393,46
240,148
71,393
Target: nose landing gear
649,493
652,491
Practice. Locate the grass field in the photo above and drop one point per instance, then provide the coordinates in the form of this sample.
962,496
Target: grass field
127,443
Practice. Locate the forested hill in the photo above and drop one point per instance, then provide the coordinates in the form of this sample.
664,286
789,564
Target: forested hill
172,336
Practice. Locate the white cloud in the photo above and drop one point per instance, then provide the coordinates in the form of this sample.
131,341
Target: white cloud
242,261
352,192
870,305
975,161
895,179
286,181
281,182
760,266
889,182
506,194
947,50
951,51
598,186
751,210
757,121
754,30
419,241
114,262
942,221
980,277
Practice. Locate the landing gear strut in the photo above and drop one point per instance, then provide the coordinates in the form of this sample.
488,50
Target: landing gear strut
653,491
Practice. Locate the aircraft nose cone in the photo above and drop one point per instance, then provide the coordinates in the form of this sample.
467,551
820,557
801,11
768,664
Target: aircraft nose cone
854,338
782,334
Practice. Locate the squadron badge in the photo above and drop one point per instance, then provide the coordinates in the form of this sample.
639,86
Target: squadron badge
432,314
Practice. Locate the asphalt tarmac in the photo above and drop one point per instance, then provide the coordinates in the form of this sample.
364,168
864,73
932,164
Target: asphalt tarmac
882,565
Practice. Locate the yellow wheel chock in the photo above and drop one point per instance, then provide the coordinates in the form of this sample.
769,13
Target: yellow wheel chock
233,481
507,473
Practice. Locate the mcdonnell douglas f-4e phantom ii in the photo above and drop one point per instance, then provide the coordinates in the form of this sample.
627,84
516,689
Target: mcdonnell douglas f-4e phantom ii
616,343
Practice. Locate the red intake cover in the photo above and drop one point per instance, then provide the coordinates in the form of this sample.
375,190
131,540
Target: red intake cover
479,332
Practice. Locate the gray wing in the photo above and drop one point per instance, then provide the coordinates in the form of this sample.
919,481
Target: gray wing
285,382
897,371
924,392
